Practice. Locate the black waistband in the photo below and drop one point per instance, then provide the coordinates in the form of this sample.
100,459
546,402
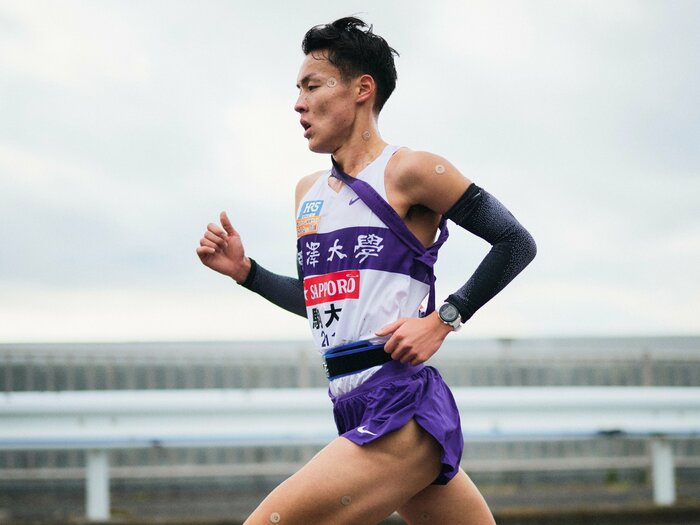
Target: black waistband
354,358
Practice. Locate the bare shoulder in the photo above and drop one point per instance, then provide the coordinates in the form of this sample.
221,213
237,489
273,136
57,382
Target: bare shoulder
424,178
410,160
411,166
304,185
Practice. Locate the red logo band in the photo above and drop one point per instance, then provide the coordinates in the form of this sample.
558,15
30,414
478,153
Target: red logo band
332,287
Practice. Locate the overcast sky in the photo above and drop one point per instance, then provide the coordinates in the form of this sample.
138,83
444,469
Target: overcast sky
125,127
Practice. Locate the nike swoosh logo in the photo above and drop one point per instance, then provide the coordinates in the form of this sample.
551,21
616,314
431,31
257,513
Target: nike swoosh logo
353,201
363,430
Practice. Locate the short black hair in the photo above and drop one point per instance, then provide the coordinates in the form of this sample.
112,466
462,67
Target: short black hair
355,50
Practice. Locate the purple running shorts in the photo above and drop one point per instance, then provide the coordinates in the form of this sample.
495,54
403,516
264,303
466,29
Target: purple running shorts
390,398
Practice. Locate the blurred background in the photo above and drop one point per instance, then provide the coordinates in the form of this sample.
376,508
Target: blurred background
126,127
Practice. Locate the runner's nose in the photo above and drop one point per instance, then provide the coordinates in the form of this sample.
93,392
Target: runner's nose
300,104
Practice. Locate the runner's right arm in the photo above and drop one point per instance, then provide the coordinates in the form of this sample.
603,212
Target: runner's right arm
221,250
286,292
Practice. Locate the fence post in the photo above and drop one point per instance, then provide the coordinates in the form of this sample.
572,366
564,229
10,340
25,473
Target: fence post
663,474
97,486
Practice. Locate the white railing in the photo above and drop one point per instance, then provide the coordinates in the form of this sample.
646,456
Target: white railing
97,421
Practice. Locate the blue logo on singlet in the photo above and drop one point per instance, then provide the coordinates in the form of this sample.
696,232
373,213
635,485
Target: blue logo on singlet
310,209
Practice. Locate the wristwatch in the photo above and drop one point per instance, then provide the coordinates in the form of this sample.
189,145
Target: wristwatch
449,315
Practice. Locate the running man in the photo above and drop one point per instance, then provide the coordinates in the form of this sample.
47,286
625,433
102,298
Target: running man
368,232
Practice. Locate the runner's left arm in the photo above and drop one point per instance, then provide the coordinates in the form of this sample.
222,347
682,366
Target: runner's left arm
434,183
512,248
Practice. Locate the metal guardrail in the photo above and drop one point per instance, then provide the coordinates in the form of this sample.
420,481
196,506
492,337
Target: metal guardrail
463,361
97,421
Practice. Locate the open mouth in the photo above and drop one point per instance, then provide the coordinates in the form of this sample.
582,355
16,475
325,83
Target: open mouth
306,127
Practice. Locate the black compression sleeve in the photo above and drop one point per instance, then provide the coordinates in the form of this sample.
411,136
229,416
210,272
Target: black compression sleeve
512,248
285,292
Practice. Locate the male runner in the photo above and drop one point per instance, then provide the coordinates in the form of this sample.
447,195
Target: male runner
368,233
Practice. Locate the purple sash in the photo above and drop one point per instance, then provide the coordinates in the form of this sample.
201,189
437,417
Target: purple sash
387,214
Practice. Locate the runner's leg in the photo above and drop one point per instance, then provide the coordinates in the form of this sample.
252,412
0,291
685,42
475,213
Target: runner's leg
347,484
457,503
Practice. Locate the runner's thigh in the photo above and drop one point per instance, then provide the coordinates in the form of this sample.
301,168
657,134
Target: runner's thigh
347,484
457,503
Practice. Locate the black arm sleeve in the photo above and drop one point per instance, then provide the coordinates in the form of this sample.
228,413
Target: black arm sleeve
285,292
512,248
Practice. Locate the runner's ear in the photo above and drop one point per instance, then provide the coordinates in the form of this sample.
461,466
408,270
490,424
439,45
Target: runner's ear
366,89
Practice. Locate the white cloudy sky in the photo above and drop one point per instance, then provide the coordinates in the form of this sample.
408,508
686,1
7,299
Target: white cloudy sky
126,126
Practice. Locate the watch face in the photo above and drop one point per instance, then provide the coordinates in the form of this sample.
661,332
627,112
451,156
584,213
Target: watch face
448,312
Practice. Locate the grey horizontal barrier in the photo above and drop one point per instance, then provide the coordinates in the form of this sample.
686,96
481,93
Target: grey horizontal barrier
118,419
97,421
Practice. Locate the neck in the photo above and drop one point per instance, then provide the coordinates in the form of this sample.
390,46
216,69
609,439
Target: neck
355,154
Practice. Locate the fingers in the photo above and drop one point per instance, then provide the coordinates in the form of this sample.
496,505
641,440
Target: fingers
206,243
391,346
216,239
390,328
216,231
401,355
407,354
226,223
411,340
203,251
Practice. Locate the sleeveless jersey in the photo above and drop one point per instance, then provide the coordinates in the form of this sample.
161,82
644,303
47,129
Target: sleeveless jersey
359,273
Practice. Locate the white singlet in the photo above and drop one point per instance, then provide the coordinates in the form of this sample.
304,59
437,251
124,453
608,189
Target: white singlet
358,274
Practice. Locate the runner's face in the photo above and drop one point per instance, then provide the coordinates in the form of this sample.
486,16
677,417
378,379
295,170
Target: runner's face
325,104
